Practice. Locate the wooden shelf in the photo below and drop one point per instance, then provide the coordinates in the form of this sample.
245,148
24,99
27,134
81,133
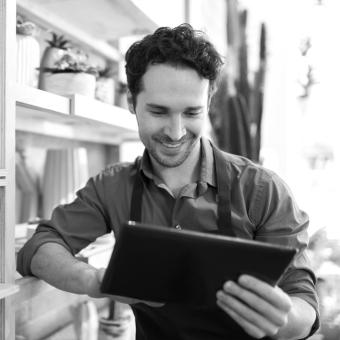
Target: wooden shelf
76,117
93,24
7,290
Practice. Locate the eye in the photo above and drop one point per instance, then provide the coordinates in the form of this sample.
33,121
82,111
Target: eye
192,113
157,113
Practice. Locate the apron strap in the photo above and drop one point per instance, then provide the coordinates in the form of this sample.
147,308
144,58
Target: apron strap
223,195
137,197
222,169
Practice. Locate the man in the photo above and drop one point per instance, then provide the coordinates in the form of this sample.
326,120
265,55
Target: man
171,79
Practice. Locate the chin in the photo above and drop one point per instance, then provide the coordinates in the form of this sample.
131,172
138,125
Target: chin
170,161
170,164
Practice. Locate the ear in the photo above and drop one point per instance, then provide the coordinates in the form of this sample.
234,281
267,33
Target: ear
130,102
209,103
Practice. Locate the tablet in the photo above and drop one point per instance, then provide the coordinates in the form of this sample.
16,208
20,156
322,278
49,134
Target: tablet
162,264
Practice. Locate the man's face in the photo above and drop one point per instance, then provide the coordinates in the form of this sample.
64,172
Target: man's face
171,111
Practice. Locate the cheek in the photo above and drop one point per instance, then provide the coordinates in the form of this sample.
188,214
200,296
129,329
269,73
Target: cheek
196,126
147,127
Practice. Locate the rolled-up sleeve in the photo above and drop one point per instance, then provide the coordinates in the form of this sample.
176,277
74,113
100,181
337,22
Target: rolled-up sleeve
73,226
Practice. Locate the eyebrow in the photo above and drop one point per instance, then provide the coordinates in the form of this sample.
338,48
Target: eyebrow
155,106
165,108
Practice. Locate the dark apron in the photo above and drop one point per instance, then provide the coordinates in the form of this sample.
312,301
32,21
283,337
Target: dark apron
182,322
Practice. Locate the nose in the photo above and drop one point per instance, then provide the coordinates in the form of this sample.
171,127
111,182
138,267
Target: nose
175,128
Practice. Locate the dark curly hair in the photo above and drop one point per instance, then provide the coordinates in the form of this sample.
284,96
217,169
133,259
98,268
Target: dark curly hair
180,46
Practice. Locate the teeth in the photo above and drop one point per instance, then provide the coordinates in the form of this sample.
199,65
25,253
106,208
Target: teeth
172,145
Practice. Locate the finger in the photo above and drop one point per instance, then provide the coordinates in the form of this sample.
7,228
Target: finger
274,295
249,328
100,274
247,314
257,303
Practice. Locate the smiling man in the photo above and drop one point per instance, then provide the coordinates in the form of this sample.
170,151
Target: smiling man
171,111
172,76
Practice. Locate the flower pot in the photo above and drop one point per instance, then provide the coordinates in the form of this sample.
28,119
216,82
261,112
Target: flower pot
105,90
68,83
49,58
28,60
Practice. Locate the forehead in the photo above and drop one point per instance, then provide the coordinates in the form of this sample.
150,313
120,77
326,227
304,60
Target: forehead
164,80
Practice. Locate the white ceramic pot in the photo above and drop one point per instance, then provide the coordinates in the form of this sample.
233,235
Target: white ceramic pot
68,83
28,60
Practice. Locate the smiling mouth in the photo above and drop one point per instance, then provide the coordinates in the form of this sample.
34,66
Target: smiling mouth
171,145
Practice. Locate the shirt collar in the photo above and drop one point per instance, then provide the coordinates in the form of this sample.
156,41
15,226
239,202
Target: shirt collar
207,174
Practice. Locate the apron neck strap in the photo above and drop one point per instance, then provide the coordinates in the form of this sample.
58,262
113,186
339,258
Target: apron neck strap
223,178
223,194
137,196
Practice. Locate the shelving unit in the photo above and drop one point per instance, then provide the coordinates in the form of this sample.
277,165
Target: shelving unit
46,308
7,170
7,290
76,117
94,25
36,299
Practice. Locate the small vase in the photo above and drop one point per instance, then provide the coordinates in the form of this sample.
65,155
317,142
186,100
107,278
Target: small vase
28,60
65,172
69,83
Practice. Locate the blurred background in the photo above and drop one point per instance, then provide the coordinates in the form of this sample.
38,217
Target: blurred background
277,104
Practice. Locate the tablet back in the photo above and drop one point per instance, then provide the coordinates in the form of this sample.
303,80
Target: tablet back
161,264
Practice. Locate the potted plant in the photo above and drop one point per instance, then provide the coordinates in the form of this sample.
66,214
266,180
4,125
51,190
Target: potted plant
57,47
28,53
71,74
105,86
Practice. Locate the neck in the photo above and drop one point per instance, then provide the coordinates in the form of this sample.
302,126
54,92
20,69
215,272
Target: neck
177,177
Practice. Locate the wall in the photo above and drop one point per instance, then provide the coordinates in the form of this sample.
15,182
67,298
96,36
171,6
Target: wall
300,136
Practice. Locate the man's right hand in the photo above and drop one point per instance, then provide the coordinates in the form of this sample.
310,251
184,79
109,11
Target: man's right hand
123,299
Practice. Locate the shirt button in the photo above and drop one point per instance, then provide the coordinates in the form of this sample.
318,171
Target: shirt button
178,227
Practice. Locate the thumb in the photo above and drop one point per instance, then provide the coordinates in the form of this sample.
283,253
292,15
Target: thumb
100,274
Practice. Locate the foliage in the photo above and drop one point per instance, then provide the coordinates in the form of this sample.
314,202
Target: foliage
23,27
73,62
107,72
58,41
325,257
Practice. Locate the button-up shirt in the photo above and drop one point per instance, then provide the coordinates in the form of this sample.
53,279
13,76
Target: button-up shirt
262,208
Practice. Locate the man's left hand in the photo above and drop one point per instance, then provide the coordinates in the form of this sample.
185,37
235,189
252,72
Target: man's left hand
260,309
